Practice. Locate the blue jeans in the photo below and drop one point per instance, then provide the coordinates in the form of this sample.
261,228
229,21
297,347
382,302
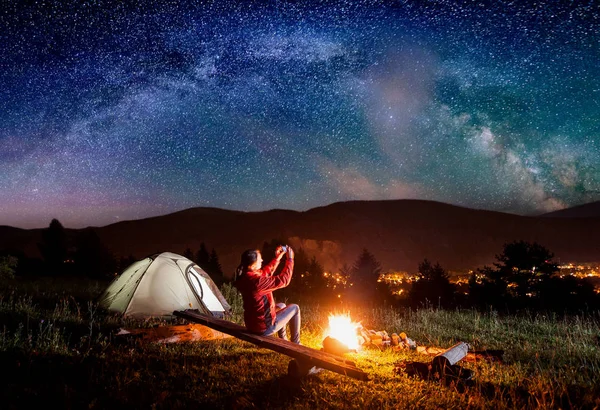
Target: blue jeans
287,314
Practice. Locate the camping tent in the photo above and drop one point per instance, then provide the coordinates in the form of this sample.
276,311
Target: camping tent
161,284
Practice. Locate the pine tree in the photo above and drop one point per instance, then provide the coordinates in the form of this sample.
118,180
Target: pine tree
202,256
346,272
432,286
339,283
315,281
523,265
213,268
522,277
92,257
188,254
54,247
364,280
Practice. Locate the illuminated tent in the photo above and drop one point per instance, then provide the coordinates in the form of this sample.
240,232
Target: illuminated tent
161,284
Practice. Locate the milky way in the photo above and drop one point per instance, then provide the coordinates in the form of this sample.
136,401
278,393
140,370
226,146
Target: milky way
112,112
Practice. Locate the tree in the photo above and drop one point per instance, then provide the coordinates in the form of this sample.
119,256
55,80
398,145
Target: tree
432,285
567,294
8,266
188,254
92,257
54,247
517,280
314,281
202,256
364,280
523,265
213,268
345,272
487,289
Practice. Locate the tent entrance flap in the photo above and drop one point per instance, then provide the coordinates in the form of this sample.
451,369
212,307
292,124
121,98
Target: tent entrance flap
201,288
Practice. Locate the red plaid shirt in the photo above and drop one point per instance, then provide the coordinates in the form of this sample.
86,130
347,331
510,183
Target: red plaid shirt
256,287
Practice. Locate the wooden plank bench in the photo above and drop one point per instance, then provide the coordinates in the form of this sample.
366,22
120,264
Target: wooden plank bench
304,357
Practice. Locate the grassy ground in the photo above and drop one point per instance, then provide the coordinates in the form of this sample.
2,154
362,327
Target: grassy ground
57,348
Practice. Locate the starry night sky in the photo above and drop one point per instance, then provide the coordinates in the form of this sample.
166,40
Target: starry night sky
111,112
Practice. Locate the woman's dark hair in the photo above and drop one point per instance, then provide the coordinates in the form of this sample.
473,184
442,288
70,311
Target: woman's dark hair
249,257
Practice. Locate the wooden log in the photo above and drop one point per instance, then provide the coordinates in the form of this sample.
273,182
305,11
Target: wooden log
332,345
366,336
472,356
376,340
449,357
487,355
305,354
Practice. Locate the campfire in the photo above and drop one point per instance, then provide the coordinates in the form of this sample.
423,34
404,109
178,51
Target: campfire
341,336
344,335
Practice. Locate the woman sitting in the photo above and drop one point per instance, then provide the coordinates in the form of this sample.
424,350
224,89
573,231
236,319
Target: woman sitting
256,284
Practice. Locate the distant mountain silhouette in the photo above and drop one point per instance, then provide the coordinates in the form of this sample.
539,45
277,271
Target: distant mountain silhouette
591,210
400,233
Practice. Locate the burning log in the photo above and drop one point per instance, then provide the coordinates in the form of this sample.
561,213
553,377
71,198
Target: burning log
332,345
345,336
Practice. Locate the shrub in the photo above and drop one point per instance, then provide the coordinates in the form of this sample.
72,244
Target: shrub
8,264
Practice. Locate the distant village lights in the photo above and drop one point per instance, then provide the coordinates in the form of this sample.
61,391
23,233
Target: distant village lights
399,280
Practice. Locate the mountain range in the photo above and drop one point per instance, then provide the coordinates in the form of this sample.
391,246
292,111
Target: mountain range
399,233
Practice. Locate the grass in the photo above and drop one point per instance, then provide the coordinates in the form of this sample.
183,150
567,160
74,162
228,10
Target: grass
57,348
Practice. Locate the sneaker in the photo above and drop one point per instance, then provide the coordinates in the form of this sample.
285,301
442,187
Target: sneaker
314,370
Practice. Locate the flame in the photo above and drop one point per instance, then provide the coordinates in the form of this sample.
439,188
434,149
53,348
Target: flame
343,329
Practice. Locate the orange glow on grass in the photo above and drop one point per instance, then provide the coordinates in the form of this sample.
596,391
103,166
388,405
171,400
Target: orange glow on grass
343,329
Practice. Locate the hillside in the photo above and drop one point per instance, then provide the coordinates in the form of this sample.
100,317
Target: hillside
591,210
400,234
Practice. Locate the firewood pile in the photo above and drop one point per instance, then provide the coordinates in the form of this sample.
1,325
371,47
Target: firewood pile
381,339
442,367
